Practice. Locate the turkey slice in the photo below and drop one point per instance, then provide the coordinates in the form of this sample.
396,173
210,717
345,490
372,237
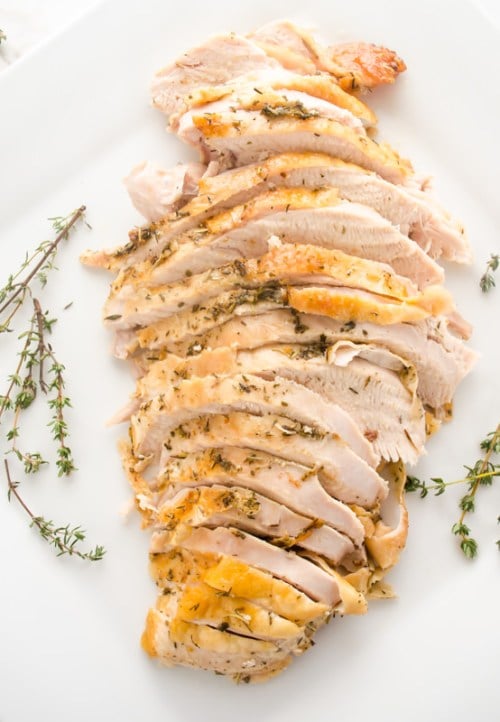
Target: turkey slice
441,359
241,137
191,398
296,487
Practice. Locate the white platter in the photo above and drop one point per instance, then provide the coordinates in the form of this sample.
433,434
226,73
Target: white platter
74,119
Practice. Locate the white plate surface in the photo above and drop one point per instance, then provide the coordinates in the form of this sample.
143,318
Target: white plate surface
74,119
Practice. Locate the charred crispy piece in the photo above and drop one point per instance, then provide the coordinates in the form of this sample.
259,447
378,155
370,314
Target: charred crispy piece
363,65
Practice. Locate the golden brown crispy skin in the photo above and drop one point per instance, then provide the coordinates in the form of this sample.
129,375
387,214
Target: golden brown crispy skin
354,65
359,149
363,65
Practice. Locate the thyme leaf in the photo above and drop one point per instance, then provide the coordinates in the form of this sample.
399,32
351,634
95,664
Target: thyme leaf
487,280
288,110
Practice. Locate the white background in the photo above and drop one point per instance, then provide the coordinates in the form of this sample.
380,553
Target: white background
75,118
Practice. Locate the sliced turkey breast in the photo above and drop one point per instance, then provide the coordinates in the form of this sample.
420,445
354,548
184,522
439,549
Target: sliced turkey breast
349,227
285,565
192,398
234,59
285,263
295,486
216,506
343,474
441,359
195,219
198,603
376,387
233,579
241,137
273,104
414,211
292,344
269,202
203,647
180,333
283,81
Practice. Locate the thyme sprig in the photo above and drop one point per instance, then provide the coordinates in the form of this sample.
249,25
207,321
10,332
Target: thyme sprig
39,374
16,289
64,539
480,474
487,280
2,36
23,389
289,110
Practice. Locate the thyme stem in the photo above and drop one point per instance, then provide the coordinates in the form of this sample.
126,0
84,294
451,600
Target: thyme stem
63,539
6,400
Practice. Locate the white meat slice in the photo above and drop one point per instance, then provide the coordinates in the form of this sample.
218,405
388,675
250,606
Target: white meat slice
344,305
343,474
438,234
179,568
220,59
202,215
184,327
282,81
216,506
241,137
441,359
282,564
376,387
192,398
412,210
198,603
203,647
234,62
274,104
268,202
295,486
350,227
285,263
